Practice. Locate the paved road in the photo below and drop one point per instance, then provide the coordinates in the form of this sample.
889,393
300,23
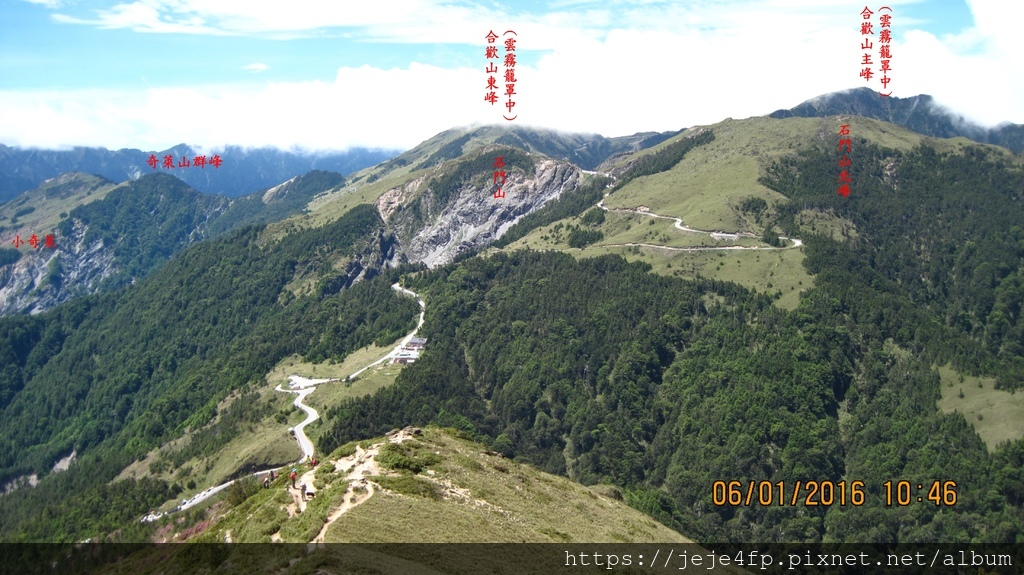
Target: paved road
302,387
679,225
305,445
405,341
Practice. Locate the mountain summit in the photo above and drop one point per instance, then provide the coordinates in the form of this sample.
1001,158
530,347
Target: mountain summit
918,113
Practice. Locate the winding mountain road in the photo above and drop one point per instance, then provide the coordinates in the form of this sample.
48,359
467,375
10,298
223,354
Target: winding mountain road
679,225
302,387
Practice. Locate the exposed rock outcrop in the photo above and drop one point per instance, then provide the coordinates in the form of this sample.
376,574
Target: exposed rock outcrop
472,217
46,277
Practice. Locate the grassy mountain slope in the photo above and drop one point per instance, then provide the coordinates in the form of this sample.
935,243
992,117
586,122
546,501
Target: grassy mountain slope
709,189
414,166
454,493
926,271
706,188
197,460
589,367
39,211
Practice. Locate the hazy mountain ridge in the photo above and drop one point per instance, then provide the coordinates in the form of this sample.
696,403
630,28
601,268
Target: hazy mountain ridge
585,150
244,170
438,198
918,113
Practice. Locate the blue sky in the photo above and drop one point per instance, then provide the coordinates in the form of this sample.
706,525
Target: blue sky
317,74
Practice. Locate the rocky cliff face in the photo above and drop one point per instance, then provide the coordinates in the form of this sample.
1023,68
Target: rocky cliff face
435,232
45,277
379,251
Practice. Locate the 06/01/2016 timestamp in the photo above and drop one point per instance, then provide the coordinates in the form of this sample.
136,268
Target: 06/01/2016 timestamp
828,493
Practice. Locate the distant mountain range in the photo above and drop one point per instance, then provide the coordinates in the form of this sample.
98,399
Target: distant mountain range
242,172
918,113
572,326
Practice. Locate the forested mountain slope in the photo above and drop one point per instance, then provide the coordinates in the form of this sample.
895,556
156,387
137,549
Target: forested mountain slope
591,367
607,373
108,235
729,222
113,376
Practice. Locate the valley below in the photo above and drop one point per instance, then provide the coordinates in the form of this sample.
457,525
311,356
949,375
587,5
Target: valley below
637,319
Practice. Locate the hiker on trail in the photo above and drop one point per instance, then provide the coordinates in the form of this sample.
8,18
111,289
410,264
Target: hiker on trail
266,481
272,476
293,475
302,490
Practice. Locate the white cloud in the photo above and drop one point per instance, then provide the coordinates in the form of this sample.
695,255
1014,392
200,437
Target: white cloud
256,67
143,16
396,21
978,73
662,67
46,3
364,106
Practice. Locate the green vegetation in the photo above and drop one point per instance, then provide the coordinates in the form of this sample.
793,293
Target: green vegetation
242,489
592,190
255,514
445,186
405,457
409,485
771,238
754,205
449,151
288,199
569,204
467,496
593,217
22,212
145,222
514,503
115,376
664,159
589,367
54,272
50,202
581,238
9,256
599,370
944,258
997,415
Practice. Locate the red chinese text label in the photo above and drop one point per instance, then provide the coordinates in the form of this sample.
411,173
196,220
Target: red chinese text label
845,147
49,241
196,162
491,53
499,176
884,52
